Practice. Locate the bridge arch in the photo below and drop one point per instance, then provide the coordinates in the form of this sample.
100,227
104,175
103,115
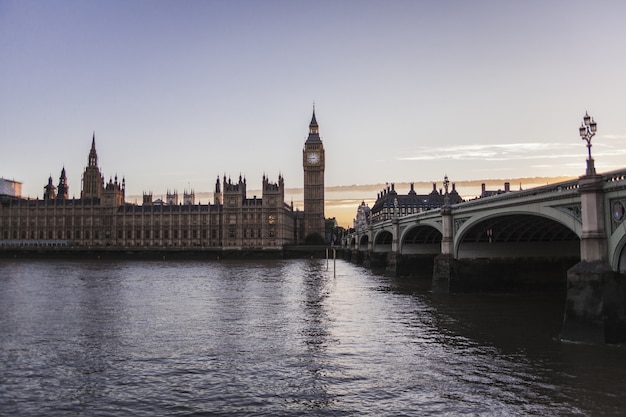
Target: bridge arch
422,239
383,241
364,242
617,252
616,226
518,235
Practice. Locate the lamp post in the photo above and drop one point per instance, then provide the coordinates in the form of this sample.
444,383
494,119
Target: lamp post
446,196
587,131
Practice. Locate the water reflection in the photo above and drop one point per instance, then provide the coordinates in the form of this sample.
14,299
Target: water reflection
99,320
315,334
284,338
315,296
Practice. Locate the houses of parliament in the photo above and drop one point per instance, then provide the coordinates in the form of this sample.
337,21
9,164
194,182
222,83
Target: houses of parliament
102,218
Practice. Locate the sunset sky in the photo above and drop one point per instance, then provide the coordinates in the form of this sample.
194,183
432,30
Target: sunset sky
181,92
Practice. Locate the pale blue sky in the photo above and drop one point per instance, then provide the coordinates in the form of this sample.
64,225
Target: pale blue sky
179,92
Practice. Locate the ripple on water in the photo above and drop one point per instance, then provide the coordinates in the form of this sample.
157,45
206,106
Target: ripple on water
282,338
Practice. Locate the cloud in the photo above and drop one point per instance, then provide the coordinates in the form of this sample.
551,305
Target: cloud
609,153
613,137
496,152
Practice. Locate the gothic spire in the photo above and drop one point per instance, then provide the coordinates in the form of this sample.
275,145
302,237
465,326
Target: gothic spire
93,156
314,135
313,123
62,189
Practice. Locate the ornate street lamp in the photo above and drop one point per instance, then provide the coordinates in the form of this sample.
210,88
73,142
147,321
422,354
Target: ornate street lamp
446,196
587,131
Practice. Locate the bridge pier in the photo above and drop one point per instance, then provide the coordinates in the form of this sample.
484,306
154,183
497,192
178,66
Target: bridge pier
399,265
344,253
445,268
499,274
596,298
445,273
357,257
392,263
375,260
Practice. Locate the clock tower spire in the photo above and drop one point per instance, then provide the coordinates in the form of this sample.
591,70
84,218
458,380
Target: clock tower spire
313,162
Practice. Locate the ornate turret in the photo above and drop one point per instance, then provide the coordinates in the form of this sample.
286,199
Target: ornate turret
273,192
218,191
189,198
171,198
234,192
63,189
50,192
114,192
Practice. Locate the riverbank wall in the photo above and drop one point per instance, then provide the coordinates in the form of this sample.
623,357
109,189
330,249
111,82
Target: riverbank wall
173,253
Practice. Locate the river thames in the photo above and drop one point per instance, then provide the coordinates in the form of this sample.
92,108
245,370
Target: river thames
283,338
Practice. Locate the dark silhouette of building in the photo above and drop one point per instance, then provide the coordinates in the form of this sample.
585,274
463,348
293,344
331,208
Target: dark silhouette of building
102,217
389,202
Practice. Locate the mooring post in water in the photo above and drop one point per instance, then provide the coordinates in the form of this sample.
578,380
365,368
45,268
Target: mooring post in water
327,259
334,261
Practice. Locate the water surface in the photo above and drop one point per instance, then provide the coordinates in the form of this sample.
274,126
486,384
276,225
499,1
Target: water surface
284,338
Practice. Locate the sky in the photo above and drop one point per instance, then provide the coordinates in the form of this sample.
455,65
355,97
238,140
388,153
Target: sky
181,92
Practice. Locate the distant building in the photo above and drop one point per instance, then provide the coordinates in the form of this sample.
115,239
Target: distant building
10,188
189,198
363,217
488,193
172,198
389,202
102,217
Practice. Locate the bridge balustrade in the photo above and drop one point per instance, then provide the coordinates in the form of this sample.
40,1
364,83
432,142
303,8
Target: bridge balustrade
614,176
566,188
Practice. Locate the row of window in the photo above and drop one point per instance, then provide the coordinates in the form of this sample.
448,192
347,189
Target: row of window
130,234
35,243
250,233
127,220
69,234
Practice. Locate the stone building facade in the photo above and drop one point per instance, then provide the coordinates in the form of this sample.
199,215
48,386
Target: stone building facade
389,203
102,218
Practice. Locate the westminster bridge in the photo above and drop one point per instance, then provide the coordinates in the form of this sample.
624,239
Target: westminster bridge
570,234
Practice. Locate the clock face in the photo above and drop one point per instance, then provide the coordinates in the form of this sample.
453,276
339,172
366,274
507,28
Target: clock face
313,158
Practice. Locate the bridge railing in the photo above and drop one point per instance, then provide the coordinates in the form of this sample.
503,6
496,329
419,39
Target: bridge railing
568,187
614,176
417,214
565,188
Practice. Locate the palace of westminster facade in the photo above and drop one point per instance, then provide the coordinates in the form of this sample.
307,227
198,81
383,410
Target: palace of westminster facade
102,217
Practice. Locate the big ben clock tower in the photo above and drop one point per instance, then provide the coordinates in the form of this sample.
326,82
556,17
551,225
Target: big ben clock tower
313,162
